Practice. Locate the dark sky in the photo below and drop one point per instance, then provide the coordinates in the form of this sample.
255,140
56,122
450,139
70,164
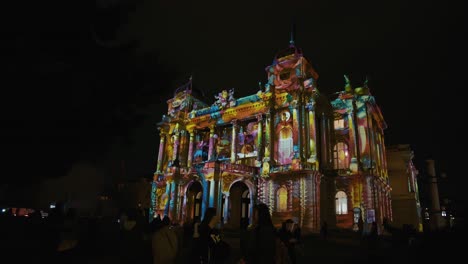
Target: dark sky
88,80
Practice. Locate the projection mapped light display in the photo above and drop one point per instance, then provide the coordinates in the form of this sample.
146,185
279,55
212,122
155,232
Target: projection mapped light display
274,146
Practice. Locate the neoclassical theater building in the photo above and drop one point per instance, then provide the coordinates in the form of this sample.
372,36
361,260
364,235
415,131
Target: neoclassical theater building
286,145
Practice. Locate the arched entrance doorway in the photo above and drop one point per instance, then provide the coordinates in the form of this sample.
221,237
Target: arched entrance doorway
194,202
239,205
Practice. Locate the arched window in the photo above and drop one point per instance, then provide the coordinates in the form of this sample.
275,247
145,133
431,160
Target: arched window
282,200
341,203
341,156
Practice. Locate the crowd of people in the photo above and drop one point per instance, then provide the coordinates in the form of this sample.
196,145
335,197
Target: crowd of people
64,237
131,238
262,243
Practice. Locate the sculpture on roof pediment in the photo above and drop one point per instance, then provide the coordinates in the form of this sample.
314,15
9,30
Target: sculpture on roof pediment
225,99
348,87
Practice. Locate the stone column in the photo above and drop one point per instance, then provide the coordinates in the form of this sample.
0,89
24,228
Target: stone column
162,140
317,182
370,192
176,146
271,196
260,190
153,208
259,137
268,143
384,152
205,193
212,193
184,206
310,194
290,187
304,149
169,198
219,193
312,137
323,139
226,207
190,151
174,200
233,142
353,143
211,145
180,204
297,139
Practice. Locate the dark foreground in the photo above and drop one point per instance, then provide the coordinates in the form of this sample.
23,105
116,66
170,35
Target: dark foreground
25,242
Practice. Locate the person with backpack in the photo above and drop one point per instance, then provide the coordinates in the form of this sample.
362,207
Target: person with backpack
213,250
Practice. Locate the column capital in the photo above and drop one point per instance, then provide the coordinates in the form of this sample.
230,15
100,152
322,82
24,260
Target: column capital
234,122
294,104
162,132
212,128
190,128
259,117
310,105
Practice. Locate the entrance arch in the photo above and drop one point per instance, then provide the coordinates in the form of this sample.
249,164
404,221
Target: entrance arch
239,205
194,198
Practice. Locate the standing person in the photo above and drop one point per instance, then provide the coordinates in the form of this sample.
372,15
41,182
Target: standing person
373,236
324,230
212,248
131,246
297,242
360,227
195,243
261,246
164,244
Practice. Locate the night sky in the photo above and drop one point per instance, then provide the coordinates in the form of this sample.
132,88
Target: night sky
88,80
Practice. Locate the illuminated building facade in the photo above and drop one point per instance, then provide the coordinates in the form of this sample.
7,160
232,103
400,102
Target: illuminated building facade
278,146
359,159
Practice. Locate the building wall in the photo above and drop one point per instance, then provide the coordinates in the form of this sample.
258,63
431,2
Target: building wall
405,195
69,189
359,157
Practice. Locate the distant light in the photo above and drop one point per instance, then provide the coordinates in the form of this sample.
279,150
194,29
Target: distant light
3,210
444,213
52,206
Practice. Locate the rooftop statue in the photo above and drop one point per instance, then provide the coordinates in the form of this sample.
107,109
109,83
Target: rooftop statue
348,87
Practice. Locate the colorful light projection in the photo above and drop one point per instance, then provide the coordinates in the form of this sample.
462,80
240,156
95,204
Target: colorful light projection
223,139
202,146
285,150
277,137
247,140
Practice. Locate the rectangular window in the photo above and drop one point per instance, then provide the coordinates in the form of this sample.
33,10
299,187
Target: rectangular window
339,123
